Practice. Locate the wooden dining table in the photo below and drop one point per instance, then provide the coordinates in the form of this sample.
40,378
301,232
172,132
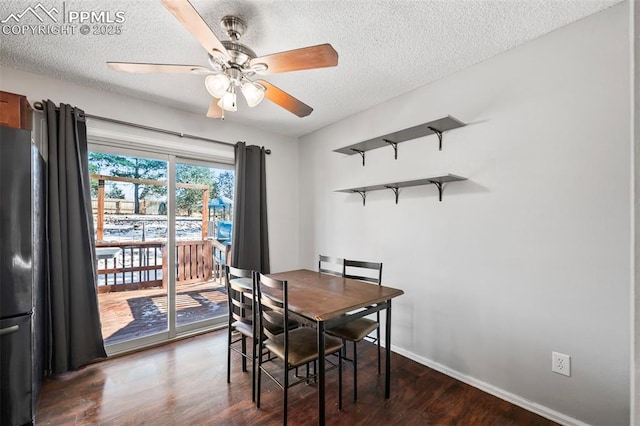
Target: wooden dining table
331,300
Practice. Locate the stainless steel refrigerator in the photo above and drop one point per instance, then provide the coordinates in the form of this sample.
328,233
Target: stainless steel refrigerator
21,276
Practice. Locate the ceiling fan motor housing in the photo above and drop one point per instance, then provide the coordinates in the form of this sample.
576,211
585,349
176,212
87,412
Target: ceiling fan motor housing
240,54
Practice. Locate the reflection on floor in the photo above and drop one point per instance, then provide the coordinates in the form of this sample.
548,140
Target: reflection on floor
128,315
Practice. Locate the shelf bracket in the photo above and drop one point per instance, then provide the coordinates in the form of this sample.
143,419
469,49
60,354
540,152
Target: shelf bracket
363,194
395,147
361,152
395,190
439,133
440,187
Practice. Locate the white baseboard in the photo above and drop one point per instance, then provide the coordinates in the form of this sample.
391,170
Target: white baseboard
490,389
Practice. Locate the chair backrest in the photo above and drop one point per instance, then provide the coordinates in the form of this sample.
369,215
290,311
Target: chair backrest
240,296
364,271
273,309
331,265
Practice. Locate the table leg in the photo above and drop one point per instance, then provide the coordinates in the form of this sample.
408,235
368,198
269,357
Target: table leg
321,373
387,344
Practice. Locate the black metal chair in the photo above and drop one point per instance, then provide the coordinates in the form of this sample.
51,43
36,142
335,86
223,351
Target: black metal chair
355,331
294,347
331,265
242,318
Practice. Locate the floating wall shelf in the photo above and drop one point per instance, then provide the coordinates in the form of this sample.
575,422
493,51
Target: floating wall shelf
432,127
438,181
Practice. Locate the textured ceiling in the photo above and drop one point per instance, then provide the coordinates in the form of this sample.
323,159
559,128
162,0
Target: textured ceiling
385,47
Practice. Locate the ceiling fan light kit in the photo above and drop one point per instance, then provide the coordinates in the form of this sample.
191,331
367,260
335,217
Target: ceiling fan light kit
232,64
217,85
253,93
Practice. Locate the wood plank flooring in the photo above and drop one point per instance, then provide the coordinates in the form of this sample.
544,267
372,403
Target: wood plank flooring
184,383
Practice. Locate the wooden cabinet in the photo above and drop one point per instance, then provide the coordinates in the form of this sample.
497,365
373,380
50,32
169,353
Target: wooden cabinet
15,111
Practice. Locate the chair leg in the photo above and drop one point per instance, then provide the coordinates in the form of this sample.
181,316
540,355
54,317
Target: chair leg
339,382
378,342
285,399
229,355
355,373
259,376
244,353
253,370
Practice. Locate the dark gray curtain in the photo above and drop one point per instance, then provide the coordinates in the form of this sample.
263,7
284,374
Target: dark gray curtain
250,238
74,333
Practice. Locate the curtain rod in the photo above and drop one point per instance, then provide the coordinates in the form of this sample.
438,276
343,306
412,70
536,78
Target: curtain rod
39,106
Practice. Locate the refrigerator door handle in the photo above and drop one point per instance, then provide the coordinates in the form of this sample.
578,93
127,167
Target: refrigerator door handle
9,330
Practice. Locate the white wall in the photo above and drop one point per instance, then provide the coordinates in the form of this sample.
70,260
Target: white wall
533,253
282,170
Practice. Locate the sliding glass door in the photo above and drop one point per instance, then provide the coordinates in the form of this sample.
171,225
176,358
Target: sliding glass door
162,227
202,234
129,198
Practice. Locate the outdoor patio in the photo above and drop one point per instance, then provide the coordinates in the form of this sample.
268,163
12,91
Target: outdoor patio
130,314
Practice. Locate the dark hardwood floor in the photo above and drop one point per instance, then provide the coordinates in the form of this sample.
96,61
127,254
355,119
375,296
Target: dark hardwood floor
184,383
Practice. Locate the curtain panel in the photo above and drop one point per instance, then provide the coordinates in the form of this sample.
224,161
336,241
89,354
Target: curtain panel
74,332
250,239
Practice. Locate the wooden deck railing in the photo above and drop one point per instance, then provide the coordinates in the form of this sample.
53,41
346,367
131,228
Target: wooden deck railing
137,265
143,264
194,261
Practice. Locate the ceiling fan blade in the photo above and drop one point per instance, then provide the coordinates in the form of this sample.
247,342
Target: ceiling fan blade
285,100
214,110
135,67
192,21
320,56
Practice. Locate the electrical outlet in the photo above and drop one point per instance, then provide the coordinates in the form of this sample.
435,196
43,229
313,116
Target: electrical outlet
561,363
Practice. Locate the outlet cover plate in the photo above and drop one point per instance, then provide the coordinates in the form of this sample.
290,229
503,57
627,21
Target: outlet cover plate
561,363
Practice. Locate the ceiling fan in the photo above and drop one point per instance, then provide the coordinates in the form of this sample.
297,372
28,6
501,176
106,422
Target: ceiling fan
233,64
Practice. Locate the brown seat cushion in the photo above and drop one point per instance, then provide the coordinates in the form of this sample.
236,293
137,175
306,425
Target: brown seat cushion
354,330
303,343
